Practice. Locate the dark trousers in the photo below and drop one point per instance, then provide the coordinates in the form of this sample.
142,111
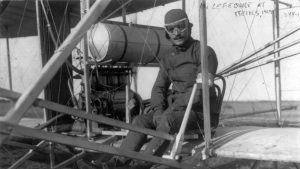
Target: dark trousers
170,122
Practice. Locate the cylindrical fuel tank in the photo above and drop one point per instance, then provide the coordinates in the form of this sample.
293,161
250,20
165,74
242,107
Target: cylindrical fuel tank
123,43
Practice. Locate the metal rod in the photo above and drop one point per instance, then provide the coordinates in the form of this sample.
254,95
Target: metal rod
262,56
71,160
51,154
29,154
49,26
38,23
262,64
128,115
204,71
55,42
79,113
15,113
224,70
276,34
9,64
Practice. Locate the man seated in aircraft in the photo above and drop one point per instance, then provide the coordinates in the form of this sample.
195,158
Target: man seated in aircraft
179,68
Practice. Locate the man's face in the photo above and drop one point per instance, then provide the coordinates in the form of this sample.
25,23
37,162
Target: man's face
178,31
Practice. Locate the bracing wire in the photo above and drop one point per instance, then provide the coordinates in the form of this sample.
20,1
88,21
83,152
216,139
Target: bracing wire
260,67
22,19
248,34
147,34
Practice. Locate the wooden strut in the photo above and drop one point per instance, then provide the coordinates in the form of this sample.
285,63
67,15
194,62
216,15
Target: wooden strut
7,128
205,77
277,67
177,145
84,5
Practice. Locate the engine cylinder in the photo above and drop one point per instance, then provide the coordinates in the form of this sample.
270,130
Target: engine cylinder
123,43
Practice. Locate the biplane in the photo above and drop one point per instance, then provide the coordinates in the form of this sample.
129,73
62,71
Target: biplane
104,66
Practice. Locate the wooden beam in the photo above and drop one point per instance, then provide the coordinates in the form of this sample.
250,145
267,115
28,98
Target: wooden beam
79,113
7,128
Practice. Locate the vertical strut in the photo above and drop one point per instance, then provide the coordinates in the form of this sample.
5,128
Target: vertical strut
204,71
87,87
8,63
276,34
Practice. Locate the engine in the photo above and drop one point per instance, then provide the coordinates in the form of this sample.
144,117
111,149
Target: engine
108,94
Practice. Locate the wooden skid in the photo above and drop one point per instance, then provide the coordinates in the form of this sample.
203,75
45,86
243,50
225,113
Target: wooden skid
9,128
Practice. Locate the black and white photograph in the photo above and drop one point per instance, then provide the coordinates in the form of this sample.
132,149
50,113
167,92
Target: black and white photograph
149,84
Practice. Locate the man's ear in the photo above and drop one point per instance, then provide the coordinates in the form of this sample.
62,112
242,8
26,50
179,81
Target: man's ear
190,28
167,36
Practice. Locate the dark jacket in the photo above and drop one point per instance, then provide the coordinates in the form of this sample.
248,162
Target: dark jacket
180,67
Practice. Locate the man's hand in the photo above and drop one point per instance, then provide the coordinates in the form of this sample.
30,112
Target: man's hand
157,116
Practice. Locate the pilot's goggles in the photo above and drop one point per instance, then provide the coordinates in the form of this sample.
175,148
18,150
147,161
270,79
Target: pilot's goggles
177,26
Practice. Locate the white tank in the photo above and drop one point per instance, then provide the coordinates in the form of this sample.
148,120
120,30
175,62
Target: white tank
123,43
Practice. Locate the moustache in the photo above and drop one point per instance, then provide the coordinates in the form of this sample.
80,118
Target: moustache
178,37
